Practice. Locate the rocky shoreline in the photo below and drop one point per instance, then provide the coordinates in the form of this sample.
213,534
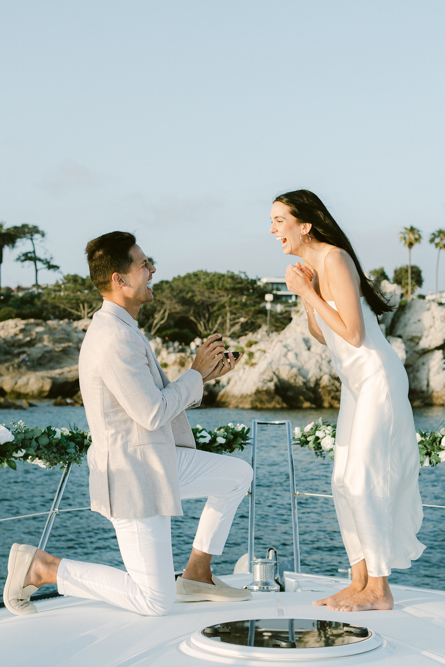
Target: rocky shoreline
289,369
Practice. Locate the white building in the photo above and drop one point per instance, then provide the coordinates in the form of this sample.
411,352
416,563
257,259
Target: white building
278,287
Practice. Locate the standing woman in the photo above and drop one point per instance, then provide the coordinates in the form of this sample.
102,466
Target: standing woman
376,466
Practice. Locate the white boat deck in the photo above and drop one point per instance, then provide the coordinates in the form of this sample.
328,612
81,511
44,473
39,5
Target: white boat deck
72,632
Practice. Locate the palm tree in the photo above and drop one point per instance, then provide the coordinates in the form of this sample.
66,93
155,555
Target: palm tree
8,238
410,236
438,238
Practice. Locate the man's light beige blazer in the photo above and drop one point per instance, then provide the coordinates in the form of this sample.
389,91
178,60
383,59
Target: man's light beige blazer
136,418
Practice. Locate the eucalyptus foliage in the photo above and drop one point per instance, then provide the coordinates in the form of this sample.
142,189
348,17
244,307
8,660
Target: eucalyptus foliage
48,447
51,447
319,437
223,440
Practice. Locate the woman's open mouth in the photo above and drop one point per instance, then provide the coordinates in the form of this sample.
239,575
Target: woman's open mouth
283,239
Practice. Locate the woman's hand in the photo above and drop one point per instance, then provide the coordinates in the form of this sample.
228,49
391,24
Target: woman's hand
299,279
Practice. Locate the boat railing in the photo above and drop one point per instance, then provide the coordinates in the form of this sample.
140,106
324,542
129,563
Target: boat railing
294,495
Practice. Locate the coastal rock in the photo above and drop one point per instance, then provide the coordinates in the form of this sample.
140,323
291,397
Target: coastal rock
6,404
421,325
289,369
398,346
427,379
39,359
393,294
43,384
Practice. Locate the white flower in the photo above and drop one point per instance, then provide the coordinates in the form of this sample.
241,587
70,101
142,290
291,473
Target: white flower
426,463
38,462
320,434
18,454
58,433
442,443
442,456
297,432
328,443
221,440
5,435
442,431
230,424
239,427
204,437
308,427
198,426
418,437
329,429
65,431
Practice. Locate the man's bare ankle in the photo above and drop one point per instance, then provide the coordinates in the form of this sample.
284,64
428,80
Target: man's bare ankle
194,575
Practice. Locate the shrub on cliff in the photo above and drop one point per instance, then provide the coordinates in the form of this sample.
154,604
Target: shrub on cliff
205,302
401,277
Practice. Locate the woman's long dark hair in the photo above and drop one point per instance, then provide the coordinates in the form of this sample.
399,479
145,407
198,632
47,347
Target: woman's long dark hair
307,207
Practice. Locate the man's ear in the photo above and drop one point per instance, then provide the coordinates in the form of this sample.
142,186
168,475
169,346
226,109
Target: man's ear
117,280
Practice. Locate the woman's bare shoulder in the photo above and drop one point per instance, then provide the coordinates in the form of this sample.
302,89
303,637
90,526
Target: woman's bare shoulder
338,257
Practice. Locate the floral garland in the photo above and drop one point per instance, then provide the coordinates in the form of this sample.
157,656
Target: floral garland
431,447
46,447
319,437
223,440
51,447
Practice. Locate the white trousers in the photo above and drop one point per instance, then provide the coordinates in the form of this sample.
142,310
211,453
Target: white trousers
148,585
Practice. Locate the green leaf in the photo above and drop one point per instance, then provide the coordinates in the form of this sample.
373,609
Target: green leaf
12,464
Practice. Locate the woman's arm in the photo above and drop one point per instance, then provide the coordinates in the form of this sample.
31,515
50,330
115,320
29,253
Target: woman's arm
313,327
341,276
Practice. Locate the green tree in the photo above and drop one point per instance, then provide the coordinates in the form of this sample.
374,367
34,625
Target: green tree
8,238
405,276
73,294
438,239
410,236
32,233
206,302
379,274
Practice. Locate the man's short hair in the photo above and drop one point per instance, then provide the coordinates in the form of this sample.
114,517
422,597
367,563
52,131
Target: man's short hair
109,254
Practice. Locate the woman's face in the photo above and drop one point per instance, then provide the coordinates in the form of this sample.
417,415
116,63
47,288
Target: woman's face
286,228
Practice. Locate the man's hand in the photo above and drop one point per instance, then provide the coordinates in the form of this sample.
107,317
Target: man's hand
208,356
223,367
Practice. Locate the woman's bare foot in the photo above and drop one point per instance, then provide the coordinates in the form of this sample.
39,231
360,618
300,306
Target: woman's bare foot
358,583
365,601
43,570
342,596
376,595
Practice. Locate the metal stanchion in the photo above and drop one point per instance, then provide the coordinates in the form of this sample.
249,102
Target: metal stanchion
295,531
55,507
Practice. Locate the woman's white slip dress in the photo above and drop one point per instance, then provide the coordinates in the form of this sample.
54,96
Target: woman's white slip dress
376,466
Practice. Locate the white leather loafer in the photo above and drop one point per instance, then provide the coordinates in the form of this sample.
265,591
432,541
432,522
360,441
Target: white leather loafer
15,597
188,590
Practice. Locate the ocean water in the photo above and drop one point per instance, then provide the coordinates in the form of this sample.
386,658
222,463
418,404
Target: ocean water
88,536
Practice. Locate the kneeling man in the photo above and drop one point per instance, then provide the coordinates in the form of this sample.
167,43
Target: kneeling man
143,459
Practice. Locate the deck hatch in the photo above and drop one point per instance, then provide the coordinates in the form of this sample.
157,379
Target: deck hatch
285,639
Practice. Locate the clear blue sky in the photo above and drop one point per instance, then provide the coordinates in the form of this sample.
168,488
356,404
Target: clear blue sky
180,120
